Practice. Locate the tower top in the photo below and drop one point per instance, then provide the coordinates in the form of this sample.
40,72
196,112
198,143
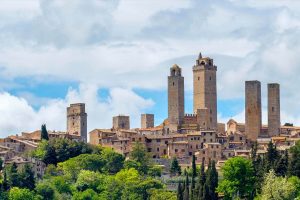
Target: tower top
175,70
204,63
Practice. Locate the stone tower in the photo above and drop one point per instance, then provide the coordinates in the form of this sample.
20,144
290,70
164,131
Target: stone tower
147,121
77,120
121,122
205,89
253,109
273,109
175,98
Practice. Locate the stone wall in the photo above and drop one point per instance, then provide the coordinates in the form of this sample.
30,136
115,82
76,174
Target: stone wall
77,120
273,109
253,109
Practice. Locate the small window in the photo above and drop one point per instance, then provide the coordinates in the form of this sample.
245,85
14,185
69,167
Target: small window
210,78
198,78
176,150
157,149
273,109
173,83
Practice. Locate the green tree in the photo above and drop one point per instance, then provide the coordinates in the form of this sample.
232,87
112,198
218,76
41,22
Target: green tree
212,181
238,178
272,157
294,165
44,133
180,191
88,194
141,156
175,168
89,180
72,167
277,188
26,177
16,193
45,190
12,175
201,182
194,174
186,192
281,166
114,161
1,164
161,194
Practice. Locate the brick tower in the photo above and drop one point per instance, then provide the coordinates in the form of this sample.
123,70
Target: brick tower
205,89
175,98
77,120
253,109
273,109
147,121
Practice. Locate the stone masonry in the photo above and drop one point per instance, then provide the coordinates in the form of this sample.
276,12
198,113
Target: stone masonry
253,109
121,122
147,121
205,89
175,98
77,120
273,109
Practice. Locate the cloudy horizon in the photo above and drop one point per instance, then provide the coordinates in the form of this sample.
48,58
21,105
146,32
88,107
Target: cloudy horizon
115,57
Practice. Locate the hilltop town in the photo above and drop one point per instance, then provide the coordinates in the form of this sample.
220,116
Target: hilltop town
181,135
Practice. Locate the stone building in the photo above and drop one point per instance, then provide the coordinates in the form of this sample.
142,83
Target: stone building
253,109
121,122
77,120
147,121
205,89
273,109
175,98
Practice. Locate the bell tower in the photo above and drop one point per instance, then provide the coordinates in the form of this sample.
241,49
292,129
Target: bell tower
205,89
175,98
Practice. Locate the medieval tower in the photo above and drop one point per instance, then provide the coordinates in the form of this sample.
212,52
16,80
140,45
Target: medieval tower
273,109
253,109
147,121
175,98
205,90
77,120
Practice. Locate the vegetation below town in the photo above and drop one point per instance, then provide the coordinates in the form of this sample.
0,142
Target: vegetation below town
81,171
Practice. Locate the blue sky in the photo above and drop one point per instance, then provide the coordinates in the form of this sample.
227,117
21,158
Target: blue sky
115,56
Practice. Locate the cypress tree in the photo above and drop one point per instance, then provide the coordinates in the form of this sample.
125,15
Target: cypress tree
13,179
214,181
44,133
175,168
281,166
194,174
200,182
186,194
179,192
271,157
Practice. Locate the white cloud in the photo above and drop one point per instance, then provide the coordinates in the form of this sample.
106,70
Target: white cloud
19,116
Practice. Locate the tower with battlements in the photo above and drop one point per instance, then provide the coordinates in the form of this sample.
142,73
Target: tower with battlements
273,109
253,109
175,98
77,120
205,90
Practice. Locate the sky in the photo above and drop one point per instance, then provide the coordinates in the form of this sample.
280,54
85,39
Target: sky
115,55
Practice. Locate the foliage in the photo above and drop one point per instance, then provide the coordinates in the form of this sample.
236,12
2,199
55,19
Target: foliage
45,190
141,156
44,133
114,162
294,167
59,150
1,164
175,169
238,174
277,188
161,194
16,193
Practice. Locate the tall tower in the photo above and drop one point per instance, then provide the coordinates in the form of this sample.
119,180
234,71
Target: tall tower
147,121
205,89
175,97
273,109
121,122
253,109
77,120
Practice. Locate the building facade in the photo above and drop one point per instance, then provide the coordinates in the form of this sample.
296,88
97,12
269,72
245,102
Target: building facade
77,120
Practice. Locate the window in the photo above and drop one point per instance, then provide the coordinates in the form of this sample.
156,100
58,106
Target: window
173,83
272,109
241,138
210,78
166,142
158,140
212,146
133,139
165,151
198,78
176,150
157,149
190,153
210,134
204,140
211,140
149,149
